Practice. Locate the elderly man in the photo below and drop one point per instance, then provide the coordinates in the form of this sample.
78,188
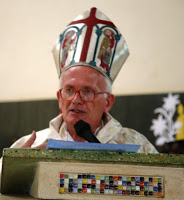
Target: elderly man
85,88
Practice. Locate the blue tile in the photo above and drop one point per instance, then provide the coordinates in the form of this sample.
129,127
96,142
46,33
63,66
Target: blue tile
93,177
124,183
137,179
70,190
119,191
150,179
146,183
62,180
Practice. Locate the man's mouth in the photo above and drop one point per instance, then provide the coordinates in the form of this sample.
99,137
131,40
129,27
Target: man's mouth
77,111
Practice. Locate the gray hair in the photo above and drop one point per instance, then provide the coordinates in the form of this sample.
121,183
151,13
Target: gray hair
108,85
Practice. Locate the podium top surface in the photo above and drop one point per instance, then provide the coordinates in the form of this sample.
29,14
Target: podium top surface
171,160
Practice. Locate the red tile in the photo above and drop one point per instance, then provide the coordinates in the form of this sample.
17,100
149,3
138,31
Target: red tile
61,175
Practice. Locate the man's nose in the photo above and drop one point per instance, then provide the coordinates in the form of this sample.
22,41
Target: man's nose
77,98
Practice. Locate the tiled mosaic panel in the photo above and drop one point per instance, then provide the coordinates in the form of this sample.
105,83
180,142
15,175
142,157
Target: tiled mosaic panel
108,184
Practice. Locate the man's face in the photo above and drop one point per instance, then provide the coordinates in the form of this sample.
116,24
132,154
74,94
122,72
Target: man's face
77,109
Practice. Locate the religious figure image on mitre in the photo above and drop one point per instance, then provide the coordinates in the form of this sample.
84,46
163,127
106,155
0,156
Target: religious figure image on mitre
106,47
69,40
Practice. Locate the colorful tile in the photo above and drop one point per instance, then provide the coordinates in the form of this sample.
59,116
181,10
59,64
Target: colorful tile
106,191
110,191
93,191
83,181
66,180
62,180
61,175
84,190
93,177
75,176
88,181
146,183
75,190
124,183
137,179
106,186
119,191
88,176
128,192
132,182
61,190
97,191
119,182
80,181
120,187
137,188
124,192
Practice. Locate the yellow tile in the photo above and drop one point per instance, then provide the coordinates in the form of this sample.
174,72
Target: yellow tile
120,187
61,190
155,180
84,181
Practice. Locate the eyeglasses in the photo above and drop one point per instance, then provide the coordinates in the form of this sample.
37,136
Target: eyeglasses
86,95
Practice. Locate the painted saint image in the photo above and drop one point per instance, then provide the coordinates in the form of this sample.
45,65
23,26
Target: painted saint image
105,52
66,46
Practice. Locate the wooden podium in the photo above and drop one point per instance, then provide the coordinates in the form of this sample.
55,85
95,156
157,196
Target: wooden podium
69,174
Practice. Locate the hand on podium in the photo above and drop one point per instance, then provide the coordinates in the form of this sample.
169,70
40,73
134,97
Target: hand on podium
30,141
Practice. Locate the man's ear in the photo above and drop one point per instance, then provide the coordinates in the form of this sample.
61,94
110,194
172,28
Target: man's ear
59,99
110,101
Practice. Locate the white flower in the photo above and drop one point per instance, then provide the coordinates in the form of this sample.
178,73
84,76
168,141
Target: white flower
160,141
170,102
158,125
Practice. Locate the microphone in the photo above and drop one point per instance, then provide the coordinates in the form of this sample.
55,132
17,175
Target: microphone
83,130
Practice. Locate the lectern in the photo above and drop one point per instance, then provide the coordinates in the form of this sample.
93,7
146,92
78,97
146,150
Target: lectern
78,174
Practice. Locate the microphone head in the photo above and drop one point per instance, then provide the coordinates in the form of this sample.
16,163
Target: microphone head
83,130
81,127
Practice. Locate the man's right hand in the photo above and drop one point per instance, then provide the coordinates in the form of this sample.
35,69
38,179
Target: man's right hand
30,141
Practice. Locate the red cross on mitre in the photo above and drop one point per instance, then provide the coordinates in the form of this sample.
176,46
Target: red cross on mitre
90,22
